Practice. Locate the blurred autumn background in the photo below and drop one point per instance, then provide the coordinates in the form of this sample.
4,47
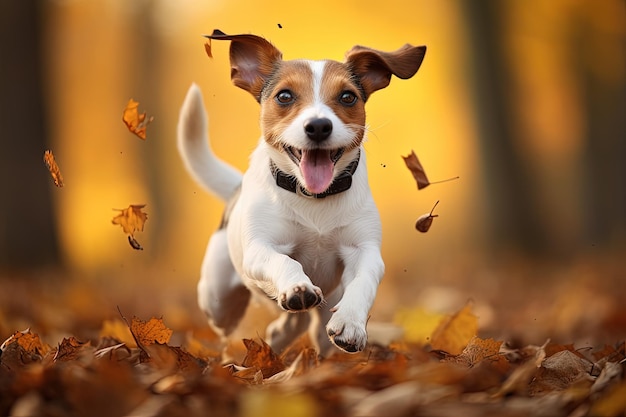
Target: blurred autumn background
524,100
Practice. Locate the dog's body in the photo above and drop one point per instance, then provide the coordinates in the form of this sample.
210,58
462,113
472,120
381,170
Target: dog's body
301,225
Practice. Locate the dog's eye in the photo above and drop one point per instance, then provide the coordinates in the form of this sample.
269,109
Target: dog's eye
347,98
285,97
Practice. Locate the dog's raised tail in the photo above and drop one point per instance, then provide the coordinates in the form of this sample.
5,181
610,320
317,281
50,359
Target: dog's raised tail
215,175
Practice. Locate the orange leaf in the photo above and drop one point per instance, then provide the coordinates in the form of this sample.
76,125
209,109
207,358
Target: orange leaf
207,48
136,122
416,168
55,172
23,348
478,350
149,332
131,218
455,332
263,357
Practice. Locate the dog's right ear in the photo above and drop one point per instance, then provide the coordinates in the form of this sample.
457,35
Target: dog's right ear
252,60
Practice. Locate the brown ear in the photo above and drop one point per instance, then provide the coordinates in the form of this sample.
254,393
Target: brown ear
252,60
375,68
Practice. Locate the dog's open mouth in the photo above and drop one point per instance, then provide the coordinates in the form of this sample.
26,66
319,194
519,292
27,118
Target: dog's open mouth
316,166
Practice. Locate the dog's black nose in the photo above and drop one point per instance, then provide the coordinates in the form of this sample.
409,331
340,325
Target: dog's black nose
318,129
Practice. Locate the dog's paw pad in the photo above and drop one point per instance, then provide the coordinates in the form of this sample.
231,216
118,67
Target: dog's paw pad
301,298
351,340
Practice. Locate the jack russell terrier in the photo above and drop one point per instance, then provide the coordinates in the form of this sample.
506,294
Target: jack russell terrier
300,226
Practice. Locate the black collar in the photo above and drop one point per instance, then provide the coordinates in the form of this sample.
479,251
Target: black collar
342,183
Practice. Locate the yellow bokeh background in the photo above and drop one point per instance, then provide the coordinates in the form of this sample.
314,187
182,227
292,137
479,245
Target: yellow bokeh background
101,53
94,49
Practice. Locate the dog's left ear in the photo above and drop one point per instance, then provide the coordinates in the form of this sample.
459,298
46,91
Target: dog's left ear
252,60
375,68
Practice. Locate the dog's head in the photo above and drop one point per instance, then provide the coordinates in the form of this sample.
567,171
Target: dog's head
312,112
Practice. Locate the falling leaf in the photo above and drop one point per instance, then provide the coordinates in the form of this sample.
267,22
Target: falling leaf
207,48
416,168
131,219
55,172
280,26
414,165
134,244
136,122
424,221
455,332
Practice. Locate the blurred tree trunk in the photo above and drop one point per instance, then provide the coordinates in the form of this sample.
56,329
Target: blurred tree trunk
27,233
604,85
511,203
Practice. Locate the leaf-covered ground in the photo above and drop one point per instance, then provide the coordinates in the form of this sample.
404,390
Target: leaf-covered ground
82,356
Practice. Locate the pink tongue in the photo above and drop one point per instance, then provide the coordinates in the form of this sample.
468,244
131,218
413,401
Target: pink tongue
317,169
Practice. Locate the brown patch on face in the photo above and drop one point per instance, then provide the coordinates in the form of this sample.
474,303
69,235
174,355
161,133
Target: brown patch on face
295,77
337,81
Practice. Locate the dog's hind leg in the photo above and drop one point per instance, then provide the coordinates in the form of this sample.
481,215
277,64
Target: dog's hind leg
221,293
286,329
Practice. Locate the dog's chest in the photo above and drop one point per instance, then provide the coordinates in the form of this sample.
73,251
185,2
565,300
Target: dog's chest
319,255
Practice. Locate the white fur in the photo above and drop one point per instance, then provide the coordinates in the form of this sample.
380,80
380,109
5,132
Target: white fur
284,244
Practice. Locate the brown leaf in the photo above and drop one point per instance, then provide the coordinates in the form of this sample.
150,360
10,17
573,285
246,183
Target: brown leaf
455,332
414,165
134,243
207,48
424,221
70,349
149,332
263,357
136,122
559,372
55,172
22,348
478,350
131,219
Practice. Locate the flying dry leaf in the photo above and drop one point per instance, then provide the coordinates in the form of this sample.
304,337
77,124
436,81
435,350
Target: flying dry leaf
263,357
424,221
207,48
131,219
133,243
455,332
414,165
55,172
136,122
416,168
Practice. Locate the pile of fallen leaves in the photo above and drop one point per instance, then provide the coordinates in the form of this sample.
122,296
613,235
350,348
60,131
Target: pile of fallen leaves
132,370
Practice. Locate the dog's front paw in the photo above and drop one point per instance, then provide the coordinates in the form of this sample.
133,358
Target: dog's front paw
300,297
347,336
